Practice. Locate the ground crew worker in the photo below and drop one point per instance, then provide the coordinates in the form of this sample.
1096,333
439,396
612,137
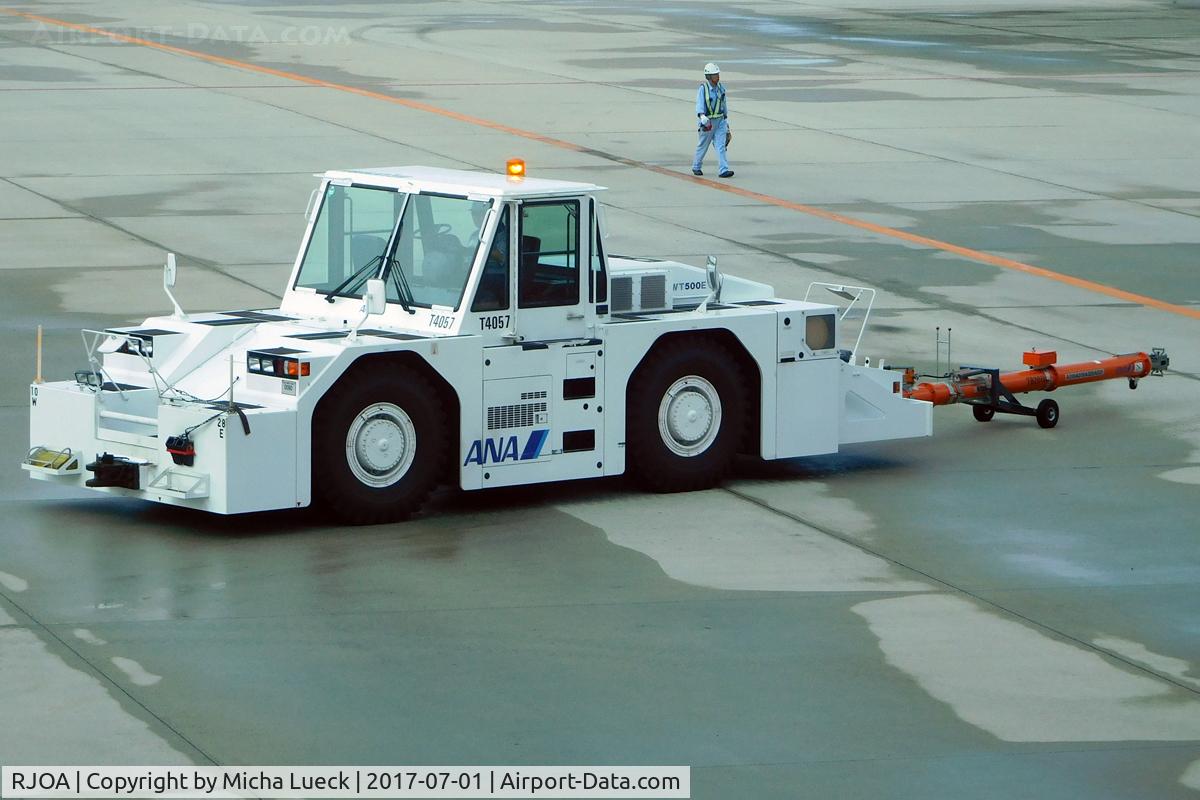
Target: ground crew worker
712,111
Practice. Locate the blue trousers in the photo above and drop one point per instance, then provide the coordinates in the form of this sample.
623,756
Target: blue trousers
716,138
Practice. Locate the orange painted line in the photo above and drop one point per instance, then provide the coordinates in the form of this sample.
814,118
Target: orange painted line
894,233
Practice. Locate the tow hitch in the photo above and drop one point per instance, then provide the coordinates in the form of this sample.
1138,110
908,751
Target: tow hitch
117,471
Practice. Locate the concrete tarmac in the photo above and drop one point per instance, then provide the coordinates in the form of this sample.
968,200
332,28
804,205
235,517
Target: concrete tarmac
997,612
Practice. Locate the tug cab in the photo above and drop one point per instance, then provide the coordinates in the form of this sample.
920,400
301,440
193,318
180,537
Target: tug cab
502,257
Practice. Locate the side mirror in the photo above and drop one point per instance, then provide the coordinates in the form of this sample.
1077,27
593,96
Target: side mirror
375,299
169,281
374,302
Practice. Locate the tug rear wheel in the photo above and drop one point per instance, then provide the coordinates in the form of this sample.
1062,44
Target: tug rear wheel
983,413
379,441
1047,413
686,416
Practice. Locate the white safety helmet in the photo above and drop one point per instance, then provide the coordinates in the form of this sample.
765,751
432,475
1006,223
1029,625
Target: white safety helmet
711,69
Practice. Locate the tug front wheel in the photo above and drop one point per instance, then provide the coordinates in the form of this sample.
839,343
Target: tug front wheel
686,416
379,441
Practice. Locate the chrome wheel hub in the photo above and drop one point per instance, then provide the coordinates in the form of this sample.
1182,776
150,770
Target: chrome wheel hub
381,444
689,416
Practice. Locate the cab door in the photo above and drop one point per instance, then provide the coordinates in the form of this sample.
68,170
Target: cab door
549,266
541,420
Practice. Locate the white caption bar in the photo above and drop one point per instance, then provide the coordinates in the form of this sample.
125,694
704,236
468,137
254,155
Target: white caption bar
346,782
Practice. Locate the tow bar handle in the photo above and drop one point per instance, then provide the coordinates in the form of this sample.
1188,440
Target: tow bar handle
989,391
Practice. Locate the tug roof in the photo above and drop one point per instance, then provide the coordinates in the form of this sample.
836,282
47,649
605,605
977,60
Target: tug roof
461,181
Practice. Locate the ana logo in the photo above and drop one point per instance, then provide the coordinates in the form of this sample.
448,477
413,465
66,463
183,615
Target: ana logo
506,448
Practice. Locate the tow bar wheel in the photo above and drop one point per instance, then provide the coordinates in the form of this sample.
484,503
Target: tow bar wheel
1047,413
381,444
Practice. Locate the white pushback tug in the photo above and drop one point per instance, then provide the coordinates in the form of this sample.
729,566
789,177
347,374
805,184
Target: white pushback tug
452,326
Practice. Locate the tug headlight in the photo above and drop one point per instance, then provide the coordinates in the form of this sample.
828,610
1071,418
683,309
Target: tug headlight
268,362
819,331
137,345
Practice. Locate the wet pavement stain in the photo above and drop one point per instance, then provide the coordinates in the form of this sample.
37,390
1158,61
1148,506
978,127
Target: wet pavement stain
927,36
1012,228
810,94
34,74
507,23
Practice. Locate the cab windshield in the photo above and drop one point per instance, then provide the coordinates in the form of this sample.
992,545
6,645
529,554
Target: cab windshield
436,246
349,238
433,250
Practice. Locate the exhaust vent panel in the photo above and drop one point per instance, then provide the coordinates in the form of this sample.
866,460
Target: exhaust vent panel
621,293
654,292
520,415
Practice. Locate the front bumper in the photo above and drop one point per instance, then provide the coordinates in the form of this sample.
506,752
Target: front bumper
72,426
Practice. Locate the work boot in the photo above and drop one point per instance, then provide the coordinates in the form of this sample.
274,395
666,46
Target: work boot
727,173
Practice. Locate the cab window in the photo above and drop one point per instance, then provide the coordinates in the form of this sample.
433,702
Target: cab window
349,237
435,248
492,294
548,271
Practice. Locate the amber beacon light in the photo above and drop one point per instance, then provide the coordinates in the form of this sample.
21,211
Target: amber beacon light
515,168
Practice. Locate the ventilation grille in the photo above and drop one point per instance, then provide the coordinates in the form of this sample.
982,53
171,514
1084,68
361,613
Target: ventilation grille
522,415
621,294
533,395
654,291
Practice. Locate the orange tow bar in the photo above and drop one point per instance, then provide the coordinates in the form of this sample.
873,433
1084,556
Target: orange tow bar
990,391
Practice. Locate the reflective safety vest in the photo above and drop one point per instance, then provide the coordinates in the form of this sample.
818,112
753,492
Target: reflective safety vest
714,102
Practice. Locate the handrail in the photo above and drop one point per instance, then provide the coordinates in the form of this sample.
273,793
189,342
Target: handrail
853,294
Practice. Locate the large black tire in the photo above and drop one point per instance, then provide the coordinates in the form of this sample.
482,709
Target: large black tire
668,445
379,445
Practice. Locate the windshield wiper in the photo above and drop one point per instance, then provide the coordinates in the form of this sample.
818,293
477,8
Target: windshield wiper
358,275
403,290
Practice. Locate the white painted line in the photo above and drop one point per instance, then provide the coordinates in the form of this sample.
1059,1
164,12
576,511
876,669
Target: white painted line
84,635
135,671
13,583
